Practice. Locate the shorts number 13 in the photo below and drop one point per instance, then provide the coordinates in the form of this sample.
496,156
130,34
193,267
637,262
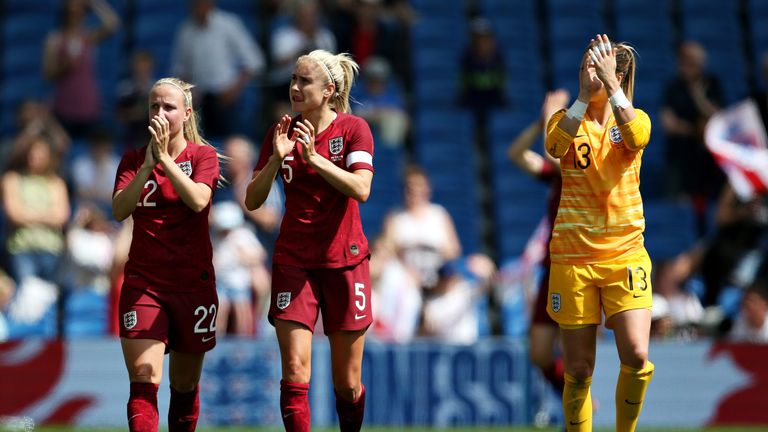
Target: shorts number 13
637,277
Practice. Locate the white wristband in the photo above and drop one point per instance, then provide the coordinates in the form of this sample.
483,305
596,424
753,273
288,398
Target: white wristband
577,110
619,100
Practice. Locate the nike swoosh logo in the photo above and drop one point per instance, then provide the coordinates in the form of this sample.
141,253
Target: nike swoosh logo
637,296
289,414
357,317
207,338
632,403
573,423
579,136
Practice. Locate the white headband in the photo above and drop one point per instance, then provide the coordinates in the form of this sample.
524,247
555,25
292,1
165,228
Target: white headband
186,97
328,71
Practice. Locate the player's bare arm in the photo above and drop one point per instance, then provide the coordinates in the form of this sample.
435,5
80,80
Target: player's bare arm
125,200
261,183
356,184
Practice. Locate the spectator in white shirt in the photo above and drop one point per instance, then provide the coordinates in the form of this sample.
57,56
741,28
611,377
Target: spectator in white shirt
751,325
214,51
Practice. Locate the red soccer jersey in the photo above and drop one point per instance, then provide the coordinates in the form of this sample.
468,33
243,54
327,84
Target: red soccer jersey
171,245
321,227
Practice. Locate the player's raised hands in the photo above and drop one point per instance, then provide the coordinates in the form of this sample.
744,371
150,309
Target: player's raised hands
603,57
306,139
281,143
159,128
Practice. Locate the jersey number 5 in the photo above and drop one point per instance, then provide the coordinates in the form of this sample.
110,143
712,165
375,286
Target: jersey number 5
288,174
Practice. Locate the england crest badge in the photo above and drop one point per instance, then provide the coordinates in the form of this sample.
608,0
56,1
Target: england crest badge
336,145
615,136
283,300
556,302
186,167
129,320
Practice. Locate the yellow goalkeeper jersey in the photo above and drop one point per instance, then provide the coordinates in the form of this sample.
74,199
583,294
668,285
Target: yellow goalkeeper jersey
600,218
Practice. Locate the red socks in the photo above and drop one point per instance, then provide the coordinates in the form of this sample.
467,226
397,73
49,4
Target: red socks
142,408
294,406
351,413
184,410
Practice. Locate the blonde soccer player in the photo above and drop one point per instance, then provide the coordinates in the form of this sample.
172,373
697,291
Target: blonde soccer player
599,263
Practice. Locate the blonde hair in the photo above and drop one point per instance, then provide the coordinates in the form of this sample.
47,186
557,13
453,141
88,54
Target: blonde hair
191,130
626,63
340,70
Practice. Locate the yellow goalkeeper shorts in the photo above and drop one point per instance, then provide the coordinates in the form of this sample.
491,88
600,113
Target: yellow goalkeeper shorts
577,292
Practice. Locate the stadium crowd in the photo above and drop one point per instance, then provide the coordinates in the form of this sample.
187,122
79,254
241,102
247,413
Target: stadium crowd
63,252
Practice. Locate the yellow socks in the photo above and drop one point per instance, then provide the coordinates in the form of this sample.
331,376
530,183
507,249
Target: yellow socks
630,391
577,404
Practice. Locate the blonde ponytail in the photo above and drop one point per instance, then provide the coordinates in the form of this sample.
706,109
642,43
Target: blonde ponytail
341,71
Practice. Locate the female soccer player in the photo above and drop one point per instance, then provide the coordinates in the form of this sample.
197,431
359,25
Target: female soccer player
168,301
597,252
320,262
544,333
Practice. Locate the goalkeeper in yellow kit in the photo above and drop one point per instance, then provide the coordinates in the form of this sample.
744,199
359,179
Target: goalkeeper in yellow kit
599,263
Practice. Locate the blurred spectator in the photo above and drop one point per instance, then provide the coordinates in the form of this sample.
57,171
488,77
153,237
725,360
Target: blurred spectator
681,305
305,32
93,172
662,326
68,62
90,248
242,279
741,226
422,233
752,322
214,50
36,205
239,166
374,28
33,118
381,102
132,103
482,80
397,297
7,289
450,312
689,101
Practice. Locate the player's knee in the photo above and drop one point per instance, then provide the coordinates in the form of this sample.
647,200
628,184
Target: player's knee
183,384
637,358
144,373
348,393
580,369
294,370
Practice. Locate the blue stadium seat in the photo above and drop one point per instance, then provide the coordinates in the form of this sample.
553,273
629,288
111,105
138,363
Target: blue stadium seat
669,228
447,33
438,8
642,9
507,9
87,313
757,15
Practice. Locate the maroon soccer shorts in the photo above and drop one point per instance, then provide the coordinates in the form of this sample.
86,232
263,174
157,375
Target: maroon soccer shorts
184,320
343,295
540,315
